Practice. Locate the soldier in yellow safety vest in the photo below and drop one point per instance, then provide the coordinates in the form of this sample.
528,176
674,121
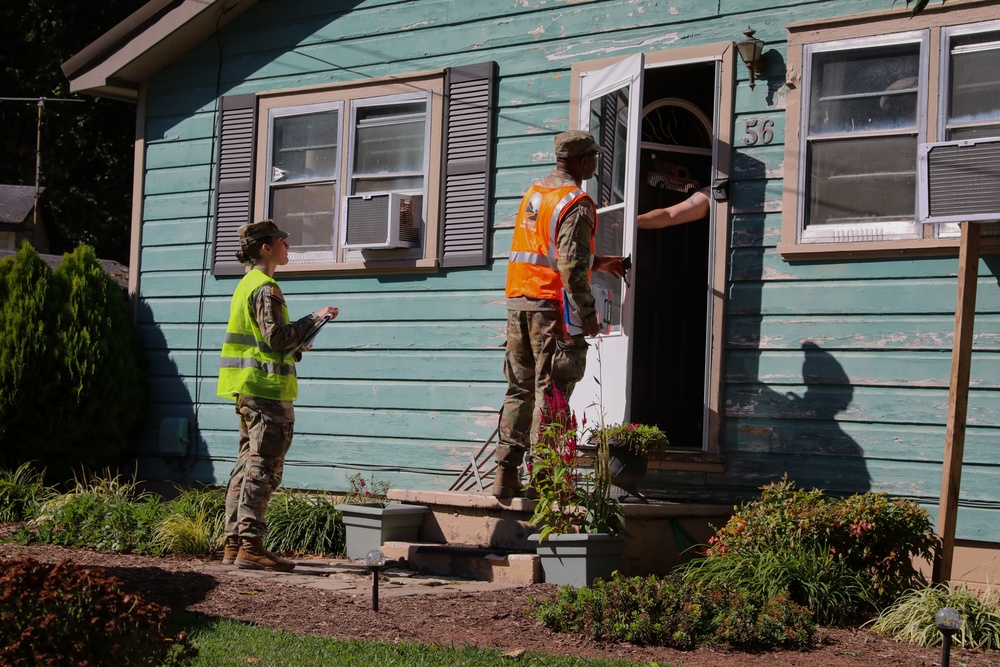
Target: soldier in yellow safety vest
258,372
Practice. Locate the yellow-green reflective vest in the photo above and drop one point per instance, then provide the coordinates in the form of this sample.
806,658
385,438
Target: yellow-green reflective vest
249,366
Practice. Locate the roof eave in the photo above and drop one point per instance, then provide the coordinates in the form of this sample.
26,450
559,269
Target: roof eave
155,35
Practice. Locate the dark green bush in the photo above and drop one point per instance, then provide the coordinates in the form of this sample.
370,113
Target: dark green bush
871,535
72,390
673,612
67,616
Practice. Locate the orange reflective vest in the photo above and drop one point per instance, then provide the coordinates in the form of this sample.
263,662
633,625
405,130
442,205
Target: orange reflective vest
531,269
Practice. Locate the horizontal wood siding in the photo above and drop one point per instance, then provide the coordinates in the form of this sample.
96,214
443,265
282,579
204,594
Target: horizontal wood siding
406,383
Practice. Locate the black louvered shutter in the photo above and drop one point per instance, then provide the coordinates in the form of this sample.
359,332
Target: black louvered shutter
466,182
234,183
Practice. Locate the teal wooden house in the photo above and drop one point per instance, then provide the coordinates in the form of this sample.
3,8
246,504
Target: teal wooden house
805,327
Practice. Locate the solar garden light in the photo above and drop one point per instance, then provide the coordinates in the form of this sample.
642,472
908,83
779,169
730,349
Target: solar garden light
375,561
948,621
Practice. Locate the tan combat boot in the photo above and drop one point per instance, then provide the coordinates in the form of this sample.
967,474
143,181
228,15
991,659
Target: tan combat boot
231,549
507,484
253,556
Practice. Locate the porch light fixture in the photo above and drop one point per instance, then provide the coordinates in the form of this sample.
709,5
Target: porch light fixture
751,51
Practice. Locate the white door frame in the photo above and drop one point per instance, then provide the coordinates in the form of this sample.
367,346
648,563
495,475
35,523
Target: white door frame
723,54
602,395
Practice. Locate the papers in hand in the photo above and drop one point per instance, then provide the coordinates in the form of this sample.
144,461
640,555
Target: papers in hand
602,301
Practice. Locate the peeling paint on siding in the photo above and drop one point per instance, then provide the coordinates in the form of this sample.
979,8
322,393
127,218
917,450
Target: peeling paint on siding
568,52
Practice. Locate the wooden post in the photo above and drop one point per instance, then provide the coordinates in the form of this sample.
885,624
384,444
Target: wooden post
958,400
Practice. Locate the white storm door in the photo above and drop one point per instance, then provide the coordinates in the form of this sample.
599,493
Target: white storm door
611,109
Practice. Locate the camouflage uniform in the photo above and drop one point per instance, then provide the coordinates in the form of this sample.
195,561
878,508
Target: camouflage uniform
265,425
540,356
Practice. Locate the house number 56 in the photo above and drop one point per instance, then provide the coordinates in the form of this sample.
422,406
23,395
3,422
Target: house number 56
763,135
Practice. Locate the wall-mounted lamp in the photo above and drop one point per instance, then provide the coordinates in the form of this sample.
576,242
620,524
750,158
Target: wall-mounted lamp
751,52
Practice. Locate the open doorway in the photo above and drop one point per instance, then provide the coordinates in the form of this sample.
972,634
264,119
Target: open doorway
672,266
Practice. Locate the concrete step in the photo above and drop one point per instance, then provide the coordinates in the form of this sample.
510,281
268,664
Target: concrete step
468,561
494,533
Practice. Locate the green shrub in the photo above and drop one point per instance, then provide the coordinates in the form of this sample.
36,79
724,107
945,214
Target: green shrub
27,360
72,390
180,534
873,535
106,514
677,613
69,616
304,522
911,617
210,501
821,581
194,522
22,492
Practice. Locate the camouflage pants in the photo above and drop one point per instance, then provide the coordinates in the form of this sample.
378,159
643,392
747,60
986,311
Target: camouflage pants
265,435
539,359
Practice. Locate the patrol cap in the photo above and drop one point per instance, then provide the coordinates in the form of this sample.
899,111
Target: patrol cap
574,143
260,230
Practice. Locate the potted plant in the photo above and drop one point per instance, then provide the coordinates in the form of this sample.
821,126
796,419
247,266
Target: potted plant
629,447
370,520
579,525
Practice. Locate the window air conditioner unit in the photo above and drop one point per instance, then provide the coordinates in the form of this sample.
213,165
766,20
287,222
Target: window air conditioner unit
380,220
959,181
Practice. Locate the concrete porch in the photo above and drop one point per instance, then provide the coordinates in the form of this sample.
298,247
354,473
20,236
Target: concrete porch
476,536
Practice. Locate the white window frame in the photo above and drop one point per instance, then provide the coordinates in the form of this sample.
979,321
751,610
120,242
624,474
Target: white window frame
847,232
806,37
952,229
428,87
301,110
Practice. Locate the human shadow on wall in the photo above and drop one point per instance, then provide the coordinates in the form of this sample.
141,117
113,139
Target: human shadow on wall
169,363
804,438
770,431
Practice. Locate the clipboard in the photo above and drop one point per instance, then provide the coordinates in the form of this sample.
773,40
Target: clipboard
602,302
311,336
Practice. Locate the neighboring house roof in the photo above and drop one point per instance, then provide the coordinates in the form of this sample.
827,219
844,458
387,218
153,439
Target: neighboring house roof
116,270
148,40
16,204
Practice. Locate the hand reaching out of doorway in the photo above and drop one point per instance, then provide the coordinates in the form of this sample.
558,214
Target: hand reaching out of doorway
693,208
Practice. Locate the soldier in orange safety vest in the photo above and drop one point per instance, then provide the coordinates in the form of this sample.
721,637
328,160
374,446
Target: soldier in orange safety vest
552,250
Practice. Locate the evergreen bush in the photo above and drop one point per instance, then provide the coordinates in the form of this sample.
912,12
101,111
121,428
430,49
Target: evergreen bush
68,616
72,387
27,358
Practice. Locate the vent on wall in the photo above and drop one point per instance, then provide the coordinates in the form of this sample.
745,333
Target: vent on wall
382,220
959,181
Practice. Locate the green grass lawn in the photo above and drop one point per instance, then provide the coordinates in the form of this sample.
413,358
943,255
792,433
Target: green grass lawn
223,642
